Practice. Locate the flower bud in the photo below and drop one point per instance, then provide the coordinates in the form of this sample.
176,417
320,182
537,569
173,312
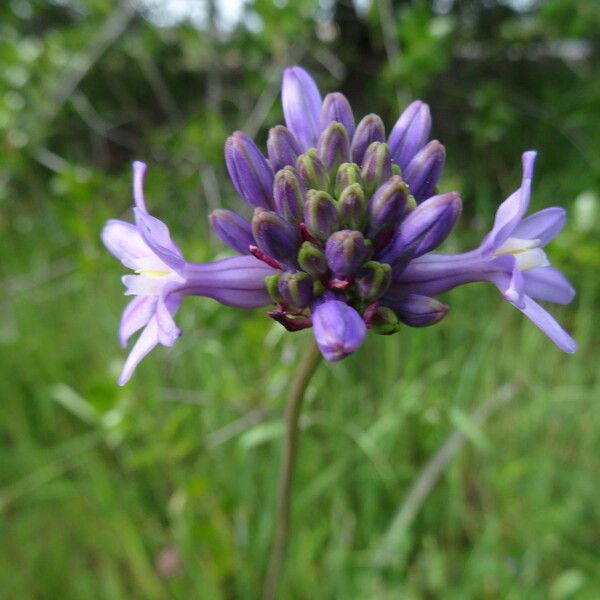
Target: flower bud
312,260
352,207
337,108
424,170
320,214
234,230
272,283
288,195
387,205
347,174
250,173
373,280
345,251
311,171
333,147
410,133
384,321
420,311
423,229
282,147
339,330
296,288
376,166
369,130
275,236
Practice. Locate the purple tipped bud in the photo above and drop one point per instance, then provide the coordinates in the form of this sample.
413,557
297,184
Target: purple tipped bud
384,321
282,147
339,330
234,230
424,170
387,205
345,251
369,130
352,207
275,236
333,147
337,108
376,166
347,174
312,260
288,193
373,280
423,229
296,288
272,285
410,133
250,173
420,311
301,102
320,214
311,171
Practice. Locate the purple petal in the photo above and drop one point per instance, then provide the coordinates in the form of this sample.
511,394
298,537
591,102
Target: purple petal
543,225
410,133
542,319
419,311
512,210
336,108
145,343
301,106
338,329
548,283
139,172
234,230
124,241
156,234
168,303
424,170
135,316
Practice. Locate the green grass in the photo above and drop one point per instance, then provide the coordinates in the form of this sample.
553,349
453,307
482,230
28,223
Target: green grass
97,481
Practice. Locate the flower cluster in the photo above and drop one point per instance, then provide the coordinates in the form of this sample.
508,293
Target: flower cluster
344,223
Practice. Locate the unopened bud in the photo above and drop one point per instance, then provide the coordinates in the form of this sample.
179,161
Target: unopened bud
333,147
275,236
234,230
282,147
347,174
345,251
320,214
369,130
373,280
311,171
312,260
337,108
420,311
296,288
424,170
376,166
410,133
352,207
288,195
271,283
384,321
387,205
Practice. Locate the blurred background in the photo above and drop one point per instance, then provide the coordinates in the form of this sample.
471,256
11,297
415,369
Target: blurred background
165,488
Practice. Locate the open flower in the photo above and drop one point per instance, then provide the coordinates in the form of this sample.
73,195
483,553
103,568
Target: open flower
163,278
511,257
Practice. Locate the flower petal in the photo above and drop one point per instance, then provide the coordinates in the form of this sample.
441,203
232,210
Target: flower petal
135,316
548,324
124,242
145,343
143,285
548,283
156,235
543,225
339,330
139,172
512,210
301,106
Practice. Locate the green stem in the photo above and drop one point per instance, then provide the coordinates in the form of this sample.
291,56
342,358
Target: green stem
300,381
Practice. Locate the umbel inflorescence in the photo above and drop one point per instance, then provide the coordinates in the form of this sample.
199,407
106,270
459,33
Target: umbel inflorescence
345,221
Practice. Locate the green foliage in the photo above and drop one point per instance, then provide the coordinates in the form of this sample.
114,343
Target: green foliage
165,488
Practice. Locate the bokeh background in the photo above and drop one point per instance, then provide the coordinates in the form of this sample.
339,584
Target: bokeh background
165,488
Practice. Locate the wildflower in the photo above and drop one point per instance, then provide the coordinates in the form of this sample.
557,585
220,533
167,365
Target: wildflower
511,256
163,278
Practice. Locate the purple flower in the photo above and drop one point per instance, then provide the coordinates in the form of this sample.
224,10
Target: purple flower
511,257
163,278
